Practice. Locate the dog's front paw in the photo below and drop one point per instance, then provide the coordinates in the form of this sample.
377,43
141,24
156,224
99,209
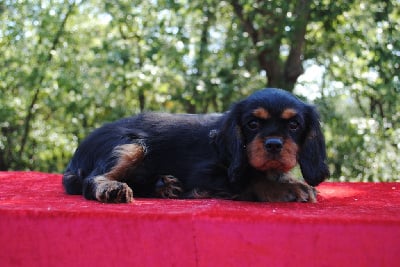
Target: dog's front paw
298,192
285,191
113,192
168,187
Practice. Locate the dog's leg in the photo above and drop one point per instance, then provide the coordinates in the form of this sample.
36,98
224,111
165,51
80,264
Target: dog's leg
110,187
129,156
285,189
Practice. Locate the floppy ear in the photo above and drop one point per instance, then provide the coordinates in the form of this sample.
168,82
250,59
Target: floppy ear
231,145
312,155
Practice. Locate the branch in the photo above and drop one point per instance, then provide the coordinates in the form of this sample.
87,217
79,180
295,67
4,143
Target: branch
360,106
247,23
38,76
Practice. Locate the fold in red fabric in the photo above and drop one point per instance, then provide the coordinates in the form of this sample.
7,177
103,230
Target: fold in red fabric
353,224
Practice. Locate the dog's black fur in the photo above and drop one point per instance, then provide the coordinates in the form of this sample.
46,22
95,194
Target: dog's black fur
244,154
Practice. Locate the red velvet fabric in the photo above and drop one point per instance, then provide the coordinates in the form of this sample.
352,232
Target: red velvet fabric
353,224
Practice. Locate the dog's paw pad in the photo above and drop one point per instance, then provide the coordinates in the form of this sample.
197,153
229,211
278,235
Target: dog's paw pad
114,192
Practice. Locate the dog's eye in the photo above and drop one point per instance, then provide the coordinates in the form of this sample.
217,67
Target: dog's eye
294,125
253,125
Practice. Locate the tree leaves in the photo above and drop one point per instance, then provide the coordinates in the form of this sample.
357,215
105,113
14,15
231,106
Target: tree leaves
66,67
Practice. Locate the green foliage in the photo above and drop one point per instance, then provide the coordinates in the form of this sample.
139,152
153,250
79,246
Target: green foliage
362,87
359,148
67,66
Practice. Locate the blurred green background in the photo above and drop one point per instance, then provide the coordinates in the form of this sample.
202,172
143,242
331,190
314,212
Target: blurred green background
67,67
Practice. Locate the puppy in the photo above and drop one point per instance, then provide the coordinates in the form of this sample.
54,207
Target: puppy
245,154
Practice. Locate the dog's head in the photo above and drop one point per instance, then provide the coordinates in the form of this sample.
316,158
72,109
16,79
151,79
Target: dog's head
272,131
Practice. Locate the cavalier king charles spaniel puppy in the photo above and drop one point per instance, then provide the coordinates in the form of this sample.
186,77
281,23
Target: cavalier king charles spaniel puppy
244,154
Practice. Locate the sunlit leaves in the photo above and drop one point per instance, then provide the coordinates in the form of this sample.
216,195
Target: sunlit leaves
115,58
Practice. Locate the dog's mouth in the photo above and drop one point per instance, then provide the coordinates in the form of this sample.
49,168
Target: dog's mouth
274,164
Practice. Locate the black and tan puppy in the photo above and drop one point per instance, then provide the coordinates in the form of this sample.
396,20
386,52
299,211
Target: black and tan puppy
242,154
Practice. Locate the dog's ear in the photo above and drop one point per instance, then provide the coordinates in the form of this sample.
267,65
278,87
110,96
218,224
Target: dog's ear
312,155
230,143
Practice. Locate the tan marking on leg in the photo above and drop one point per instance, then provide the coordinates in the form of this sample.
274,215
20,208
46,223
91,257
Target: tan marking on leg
288,113
129,156
261,113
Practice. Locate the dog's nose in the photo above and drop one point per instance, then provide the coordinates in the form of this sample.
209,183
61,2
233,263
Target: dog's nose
273,145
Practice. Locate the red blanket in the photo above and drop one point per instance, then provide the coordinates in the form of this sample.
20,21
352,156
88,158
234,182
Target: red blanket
353,224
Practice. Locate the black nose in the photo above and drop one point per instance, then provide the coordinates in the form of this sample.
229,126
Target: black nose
273,145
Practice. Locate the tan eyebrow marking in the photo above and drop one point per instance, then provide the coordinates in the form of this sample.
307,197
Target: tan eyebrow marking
288,113
261,113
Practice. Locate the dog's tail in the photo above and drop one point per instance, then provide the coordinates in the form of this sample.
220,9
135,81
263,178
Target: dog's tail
72,182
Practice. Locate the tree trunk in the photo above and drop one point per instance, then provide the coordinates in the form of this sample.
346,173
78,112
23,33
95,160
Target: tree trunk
294,64
279,73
